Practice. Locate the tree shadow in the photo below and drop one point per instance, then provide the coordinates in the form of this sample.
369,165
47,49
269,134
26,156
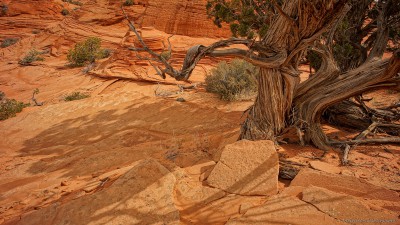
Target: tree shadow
117,137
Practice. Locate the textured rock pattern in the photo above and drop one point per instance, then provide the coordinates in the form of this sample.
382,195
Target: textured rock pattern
144,195
344,184
247,168
185,17
346,208
284,210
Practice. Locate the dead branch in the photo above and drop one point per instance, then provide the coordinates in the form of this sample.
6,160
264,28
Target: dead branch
389,140
36,91
346,151
271,57
367,131
300,135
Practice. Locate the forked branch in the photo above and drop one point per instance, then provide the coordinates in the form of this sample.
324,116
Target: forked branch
256,54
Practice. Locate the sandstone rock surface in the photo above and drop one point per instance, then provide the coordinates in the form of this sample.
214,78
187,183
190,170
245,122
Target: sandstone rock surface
346,208
185,17
343,184
247,168
144,195
284,210
326,167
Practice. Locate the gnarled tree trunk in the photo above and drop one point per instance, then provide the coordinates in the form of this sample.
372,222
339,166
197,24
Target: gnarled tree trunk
267,117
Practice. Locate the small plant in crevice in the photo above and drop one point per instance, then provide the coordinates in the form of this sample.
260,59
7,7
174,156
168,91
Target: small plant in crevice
32,56
75,96
129,2
234,81
65,12
36,103
3,9
10,107
8,42
87,52
104,53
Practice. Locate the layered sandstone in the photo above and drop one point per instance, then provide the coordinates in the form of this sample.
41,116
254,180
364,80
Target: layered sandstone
186,17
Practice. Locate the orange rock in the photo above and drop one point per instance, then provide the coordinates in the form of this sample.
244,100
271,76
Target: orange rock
326,167
343,184
284,210
247,168
346,208
183,18
144,195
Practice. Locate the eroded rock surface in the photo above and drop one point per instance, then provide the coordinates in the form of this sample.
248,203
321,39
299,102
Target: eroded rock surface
346,208
144,195
344,184
247,168
283,209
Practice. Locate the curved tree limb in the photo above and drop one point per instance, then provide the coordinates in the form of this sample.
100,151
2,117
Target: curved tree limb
310,105
266,57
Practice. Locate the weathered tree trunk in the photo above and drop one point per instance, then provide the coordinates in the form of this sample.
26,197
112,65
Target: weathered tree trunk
267,117
269,114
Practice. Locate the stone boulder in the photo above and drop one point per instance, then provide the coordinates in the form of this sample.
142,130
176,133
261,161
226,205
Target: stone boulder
247,168
144,195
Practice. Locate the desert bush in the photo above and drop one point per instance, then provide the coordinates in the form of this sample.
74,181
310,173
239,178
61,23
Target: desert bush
32,56
233,81
8,42
129,3
87,52
9,107
75,96
64,12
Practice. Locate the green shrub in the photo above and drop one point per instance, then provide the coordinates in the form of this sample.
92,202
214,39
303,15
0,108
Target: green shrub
32,56
129,3
87,52
64,12
233,81
75,96
9,107
8,42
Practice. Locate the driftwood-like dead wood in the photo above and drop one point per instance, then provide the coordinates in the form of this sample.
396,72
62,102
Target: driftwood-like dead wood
36,103
345,157
370,129
289,169
387,140
353,115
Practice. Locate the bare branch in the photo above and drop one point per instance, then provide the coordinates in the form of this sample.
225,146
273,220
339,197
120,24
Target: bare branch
346,151
369,141
266,57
